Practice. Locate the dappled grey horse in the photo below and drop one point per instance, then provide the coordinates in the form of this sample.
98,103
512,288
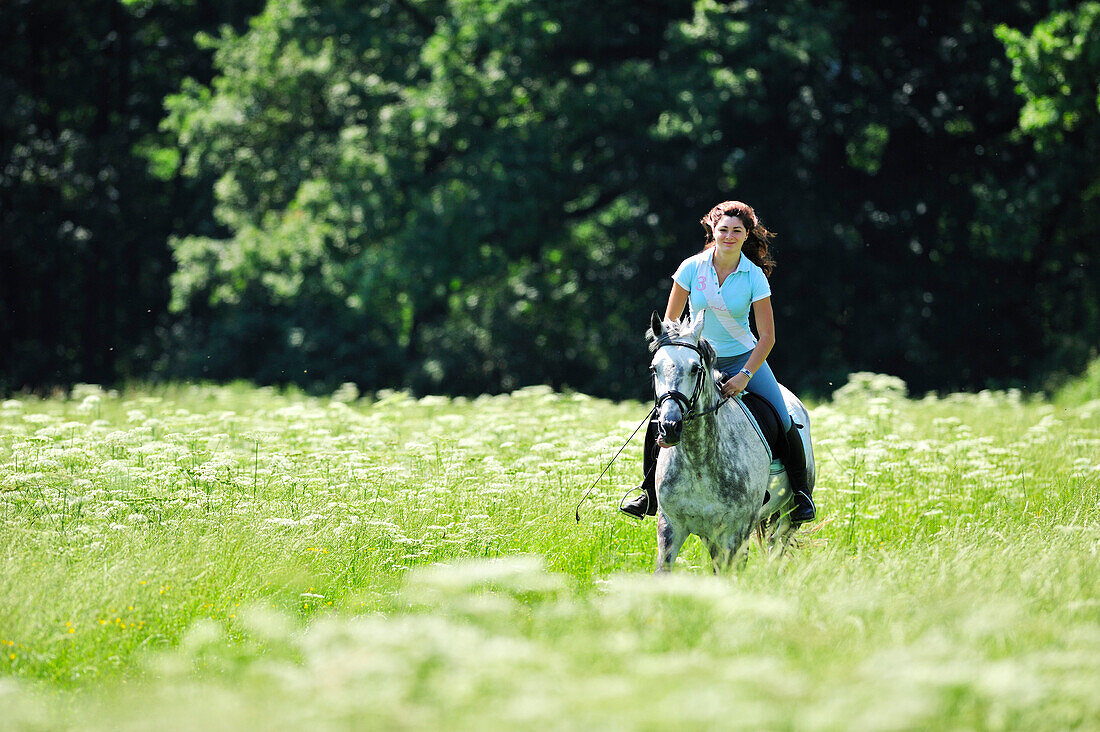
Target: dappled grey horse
717,479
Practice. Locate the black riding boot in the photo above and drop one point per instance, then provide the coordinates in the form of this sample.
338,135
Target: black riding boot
646,504
795,464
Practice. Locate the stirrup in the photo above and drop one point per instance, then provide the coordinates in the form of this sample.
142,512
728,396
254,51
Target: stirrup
804,510
636,509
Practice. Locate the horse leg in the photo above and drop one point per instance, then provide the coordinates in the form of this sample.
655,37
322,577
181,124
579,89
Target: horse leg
725,550
722,557
733,549
718,559
780,535
761,533
669,542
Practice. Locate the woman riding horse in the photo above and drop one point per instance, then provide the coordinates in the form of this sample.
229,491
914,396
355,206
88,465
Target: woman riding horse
728,277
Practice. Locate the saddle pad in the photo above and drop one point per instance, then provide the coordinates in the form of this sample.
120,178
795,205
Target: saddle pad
768,420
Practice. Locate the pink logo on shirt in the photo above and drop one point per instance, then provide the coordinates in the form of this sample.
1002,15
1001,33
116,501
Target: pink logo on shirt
702,282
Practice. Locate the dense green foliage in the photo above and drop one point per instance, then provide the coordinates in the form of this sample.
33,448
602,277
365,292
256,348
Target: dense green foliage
1058,70
415,563
468,195
84,256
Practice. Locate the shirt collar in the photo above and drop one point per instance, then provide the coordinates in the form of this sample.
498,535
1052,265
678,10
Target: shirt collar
743,264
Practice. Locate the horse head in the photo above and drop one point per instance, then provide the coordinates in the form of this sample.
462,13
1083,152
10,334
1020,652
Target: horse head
681,367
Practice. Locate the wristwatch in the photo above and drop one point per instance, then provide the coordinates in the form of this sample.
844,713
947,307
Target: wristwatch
747,373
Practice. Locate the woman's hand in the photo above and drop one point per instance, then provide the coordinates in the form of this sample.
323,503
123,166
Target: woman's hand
734,385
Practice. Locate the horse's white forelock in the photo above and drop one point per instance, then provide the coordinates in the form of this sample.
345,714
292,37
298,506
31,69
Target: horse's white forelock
689,331
685,330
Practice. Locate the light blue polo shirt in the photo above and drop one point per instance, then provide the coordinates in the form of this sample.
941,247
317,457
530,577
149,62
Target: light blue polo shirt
744,286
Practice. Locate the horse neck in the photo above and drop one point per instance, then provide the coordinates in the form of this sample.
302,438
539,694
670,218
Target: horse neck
700,436
703,436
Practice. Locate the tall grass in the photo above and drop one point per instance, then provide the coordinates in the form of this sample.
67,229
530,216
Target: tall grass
407,563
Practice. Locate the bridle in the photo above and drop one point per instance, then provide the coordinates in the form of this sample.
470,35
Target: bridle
687,404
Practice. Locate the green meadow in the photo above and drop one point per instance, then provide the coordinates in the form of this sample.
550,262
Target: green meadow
231,557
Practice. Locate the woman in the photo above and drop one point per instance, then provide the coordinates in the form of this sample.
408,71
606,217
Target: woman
728,277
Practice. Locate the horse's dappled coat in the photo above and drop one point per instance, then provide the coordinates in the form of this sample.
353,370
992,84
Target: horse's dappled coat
712,483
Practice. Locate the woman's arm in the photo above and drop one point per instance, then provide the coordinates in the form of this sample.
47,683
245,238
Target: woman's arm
677,299
765,331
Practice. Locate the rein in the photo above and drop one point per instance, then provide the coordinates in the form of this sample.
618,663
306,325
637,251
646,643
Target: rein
687,404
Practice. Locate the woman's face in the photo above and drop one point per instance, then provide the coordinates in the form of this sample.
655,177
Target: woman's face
729,234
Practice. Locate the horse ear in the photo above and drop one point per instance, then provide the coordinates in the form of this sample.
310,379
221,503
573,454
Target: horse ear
656,325
697,327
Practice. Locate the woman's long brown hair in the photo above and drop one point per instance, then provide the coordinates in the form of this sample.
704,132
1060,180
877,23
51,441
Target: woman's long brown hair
756,244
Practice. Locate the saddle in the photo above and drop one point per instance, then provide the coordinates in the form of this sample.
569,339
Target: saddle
767,418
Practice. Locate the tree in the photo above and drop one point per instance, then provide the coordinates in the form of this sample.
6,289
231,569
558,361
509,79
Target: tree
402,183
83,226
444,193
1057,70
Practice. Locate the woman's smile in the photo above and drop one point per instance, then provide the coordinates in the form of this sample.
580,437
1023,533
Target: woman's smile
730,233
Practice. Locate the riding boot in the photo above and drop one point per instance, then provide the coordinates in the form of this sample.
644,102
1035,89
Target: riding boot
795,464
646,504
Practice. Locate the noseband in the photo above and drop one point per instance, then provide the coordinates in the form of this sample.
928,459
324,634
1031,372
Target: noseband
687,404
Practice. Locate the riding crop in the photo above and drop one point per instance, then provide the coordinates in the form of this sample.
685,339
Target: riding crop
597,480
